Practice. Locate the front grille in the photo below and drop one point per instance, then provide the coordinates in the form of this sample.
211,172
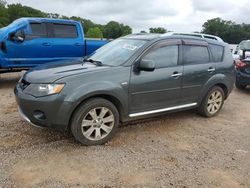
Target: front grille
24,84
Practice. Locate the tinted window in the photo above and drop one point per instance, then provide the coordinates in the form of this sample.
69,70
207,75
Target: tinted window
165,56
195,54
38,30
65,31
217,52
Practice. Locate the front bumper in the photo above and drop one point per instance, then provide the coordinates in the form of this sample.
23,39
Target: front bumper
24,117
48,112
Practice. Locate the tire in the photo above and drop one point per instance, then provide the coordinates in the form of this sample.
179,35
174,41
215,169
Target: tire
209,107
240,86
95,122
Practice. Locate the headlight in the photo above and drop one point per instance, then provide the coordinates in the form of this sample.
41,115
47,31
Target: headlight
40,90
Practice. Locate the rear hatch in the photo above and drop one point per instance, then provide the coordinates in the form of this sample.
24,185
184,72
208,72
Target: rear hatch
243,65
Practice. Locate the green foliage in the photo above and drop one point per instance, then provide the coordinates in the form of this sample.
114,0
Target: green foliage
94,32
12,12
157,30
229,31
4,20
114,30
16,11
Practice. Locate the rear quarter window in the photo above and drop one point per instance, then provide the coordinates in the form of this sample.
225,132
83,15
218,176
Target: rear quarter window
217,52
194,54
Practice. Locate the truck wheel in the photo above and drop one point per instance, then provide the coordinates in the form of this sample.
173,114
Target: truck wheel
240,86
212,102
95,122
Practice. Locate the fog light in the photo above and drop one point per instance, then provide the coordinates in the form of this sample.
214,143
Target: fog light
39,115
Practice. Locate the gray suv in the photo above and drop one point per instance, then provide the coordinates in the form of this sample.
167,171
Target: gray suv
132,77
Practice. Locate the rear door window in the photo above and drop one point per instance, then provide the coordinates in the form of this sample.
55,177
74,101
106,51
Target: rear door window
217,52
65,31
194,54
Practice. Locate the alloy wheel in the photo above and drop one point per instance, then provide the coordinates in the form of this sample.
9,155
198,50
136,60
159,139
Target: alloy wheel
97,123
214,102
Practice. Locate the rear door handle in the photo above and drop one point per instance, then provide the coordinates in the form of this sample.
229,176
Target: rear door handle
77,44
176,75
211,69
46,44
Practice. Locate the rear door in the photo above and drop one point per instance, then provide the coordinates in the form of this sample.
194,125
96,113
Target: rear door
159,89
66,41
198,69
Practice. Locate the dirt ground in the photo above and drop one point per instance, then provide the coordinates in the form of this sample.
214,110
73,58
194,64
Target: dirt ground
177,150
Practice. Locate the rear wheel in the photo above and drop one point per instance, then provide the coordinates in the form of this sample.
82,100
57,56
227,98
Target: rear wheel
240,86
95,122
212,102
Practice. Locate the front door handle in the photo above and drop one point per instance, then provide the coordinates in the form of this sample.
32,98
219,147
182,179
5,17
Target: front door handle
176,74
46,44
211,69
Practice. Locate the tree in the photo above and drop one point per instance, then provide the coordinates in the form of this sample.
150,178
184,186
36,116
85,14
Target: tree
11,12
157,30
229,31
94,33
4,20
112,30
87,24
16,11
126,30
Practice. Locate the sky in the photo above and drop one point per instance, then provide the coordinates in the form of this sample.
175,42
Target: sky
174,15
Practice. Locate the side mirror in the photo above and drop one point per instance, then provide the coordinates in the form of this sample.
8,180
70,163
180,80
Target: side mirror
147,65
18,36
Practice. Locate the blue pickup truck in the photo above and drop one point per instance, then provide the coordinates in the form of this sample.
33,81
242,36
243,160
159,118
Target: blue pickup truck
29,42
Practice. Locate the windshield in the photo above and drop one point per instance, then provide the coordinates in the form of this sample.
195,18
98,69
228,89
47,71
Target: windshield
117,52
245,45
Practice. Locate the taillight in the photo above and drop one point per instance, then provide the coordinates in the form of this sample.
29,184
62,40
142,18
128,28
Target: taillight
240,64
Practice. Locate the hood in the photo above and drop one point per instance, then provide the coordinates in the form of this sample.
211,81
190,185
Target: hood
2,33
49,73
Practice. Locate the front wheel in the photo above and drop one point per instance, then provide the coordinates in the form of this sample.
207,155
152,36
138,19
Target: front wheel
212,102
95,122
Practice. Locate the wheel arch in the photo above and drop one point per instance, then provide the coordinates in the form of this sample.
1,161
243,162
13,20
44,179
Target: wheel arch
111,98
217,80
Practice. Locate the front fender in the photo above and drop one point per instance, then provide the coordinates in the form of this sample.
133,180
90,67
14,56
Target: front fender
99,88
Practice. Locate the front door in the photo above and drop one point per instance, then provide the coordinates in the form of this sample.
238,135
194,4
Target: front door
157,90
32,51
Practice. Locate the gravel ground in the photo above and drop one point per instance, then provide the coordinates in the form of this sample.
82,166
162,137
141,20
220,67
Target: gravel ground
177,150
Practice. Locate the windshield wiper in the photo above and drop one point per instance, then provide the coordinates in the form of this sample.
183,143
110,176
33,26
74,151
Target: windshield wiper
98,63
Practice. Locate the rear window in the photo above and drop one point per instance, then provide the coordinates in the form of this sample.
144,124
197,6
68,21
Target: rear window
195,54
38,30
217,52
65,31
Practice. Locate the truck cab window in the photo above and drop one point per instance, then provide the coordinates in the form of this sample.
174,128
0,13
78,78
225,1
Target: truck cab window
38,30
65,31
